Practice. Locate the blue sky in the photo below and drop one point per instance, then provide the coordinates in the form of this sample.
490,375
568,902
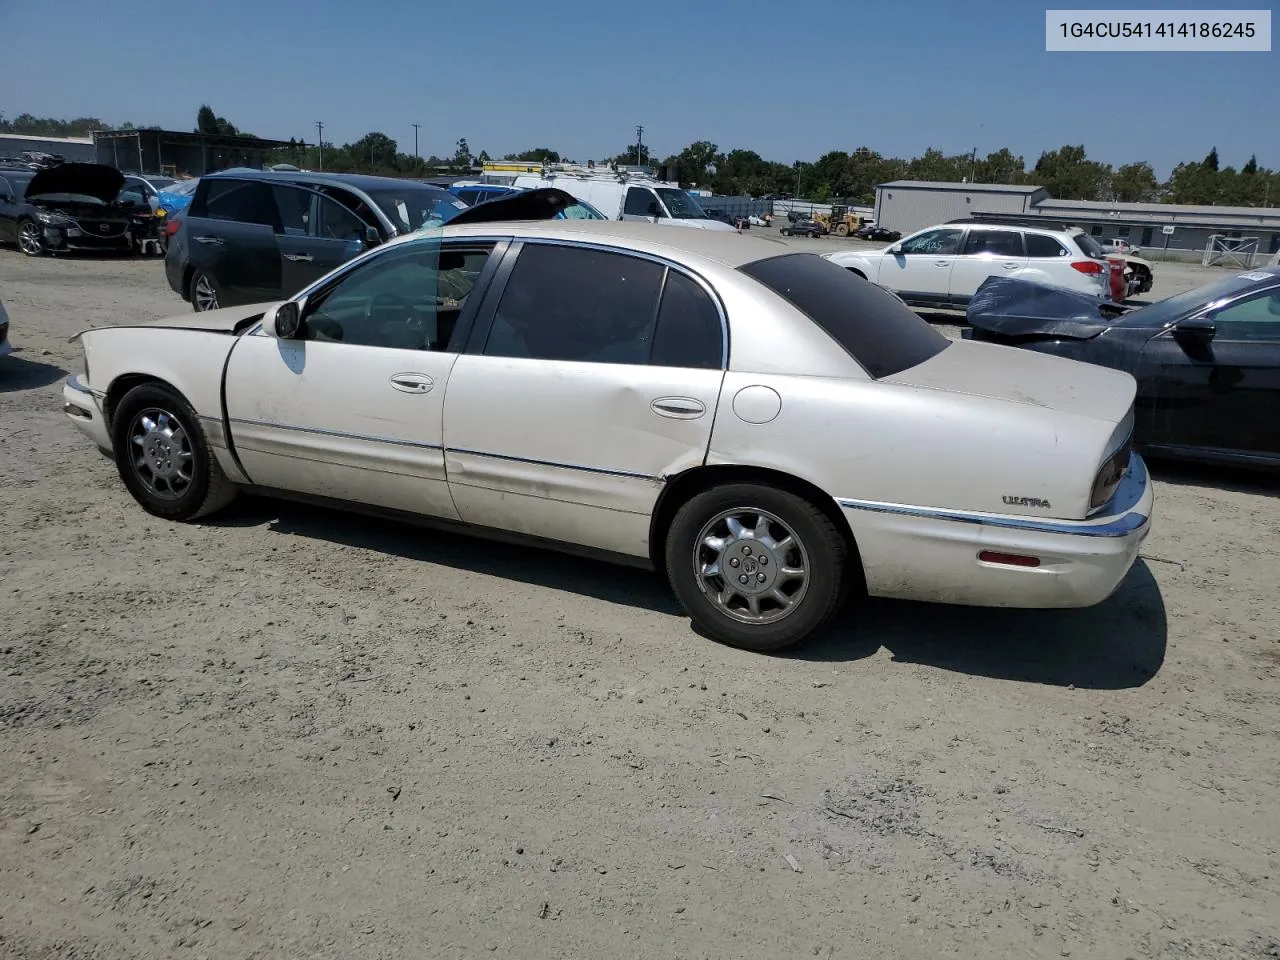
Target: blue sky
898,77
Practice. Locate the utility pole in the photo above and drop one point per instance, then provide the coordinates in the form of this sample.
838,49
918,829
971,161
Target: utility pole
320,141
973,166
415,139
639,144
797,179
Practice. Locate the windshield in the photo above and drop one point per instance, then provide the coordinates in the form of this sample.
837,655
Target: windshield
681,205
411,208
873,326
1163,312
182,188
161,183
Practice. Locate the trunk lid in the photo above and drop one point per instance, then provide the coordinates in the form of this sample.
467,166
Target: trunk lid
1026,377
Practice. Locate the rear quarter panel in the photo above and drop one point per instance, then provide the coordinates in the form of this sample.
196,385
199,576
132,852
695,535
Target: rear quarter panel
898,444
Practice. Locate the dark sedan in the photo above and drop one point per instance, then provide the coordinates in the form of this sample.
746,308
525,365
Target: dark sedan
1207,361
72,206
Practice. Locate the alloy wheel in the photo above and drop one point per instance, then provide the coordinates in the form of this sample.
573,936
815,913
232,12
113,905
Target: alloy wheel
751,565
161,453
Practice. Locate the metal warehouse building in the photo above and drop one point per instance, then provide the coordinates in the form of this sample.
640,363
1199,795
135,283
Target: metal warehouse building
75,149
176,152
1177,231
909,205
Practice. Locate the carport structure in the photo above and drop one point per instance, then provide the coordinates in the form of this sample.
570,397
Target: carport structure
176,152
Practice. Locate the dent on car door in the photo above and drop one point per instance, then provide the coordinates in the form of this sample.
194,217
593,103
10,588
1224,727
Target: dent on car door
1214,384
594,376
352,409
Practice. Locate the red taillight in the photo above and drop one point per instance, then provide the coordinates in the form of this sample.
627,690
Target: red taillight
171,226
1092,267
1009,559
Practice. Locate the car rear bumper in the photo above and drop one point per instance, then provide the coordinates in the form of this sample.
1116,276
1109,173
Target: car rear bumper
920,553
83,407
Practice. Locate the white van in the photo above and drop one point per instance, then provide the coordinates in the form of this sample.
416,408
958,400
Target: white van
627,196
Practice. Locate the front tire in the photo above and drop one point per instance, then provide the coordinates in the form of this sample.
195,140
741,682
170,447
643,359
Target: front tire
163,456
756,567
29,240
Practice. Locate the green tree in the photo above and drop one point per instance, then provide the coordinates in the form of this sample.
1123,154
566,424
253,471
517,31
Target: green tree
536,155
462,155
1211,161
1135,183
1001,167
1250,168
1068,174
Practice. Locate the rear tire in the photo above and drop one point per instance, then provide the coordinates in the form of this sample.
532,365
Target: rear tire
756,567
202,292
163,456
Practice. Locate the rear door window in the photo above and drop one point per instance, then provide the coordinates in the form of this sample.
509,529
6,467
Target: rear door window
243,201
689,331
1000,243
874,327
574,303
295,209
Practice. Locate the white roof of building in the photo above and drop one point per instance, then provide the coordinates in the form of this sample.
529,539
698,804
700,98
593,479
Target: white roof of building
960,187
86,141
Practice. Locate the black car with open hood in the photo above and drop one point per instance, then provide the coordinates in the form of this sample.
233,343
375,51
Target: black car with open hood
72,206
1207,360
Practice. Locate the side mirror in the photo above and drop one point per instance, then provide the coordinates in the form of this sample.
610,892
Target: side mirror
896,250
283,321
1196,328
371,237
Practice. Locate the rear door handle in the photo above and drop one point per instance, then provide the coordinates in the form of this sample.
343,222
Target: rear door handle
218,240
679,408
299,256
412,382
942,263
1009,266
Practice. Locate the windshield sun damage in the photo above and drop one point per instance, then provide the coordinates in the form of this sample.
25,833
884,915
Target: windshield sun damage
681,205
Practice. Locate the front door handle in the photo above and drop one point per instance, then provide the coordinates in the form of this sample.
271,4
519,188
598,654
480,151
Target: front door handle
299,256
218,240
679,408
942,263
412,382
1009,266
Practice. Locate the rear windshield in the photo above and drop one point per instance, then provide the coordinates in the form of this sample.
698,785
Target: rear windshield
1090,247
874,327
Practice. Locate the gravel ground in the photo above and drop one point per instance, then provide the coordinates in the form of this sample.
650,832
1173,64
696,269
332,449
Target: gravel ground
293,733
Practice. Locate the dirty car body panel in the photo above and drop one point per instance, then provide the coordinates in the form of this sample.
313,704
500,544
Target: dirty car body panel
577,382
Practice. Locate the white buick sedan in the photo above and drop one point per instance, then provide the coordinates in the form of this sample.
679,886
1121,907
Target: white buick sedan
772,432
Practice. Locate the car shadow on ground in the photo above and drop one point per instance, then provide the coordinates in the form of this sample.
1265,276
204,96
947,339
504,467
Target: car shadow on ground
1116,645
19,373
1236,479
